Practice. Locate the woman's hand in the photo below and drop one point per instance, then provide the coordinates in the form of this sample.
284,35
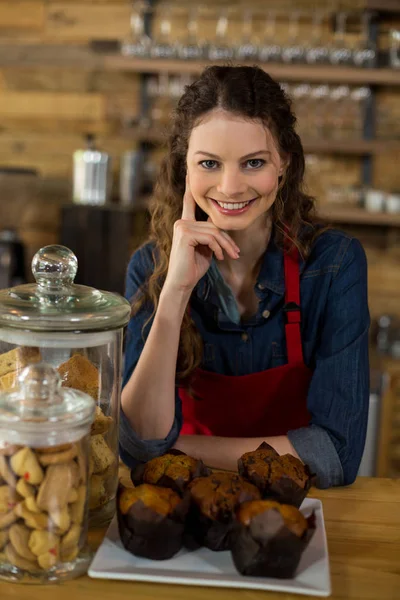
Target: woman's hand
193,245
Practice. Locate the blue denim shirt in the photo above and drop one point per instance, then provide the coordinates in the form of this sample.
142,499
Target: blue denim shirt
334,328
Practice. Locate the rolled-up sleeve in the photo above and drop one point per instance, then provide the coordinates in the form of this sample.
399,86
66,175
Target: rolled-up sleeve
338,397
132,448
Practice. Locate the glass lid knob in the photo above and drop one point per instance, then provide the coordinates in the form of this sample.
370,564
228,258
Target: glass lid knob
54,268
39,382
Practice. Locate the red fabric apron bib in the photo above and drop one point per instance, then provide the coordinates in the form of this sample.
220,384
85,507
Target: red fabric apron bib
263,404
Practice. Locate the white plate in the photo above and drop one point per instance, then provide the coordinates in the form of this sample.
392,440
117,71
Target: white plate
204,567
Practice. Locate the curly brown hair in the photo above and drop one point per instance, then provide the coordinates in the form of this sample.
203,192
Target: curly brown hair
251,93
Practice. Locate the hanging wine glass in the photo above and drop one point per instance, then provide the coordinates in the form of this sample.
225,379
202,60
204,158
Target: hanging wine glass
269,50
359,97
301,94
220,49
394,52
285,87
138,43
294,51
340,96
162,106
163,46
192,48
317,52
365,54
318,98
247,49
340,53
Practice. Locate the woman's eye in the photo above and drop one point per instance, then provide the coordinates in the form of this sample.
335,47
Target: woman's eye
255,163
209,164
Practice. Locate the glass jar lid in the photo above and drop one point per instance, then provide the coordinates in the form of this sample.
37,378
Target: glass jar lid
56,303
39,412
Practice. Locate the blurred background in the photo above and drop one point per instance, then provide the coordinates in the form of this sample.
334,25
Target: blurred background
86,91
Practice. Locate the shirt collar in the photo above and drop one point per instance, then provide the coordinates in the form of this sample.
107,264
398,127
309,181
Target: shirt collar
271,276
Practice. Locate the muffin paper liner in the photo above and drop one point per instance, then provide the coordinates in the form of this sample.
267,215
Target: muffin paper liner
267,548
146,533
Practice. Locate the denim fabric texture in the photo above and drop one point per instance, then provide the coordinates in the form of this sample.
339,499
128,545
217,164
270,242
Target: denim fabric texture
334,328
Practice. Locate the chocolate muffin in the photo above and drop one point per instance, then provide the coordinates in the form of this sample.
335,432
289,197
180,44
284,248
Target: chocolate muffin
284,478
174,470
214,500
269,538
263,454
151,520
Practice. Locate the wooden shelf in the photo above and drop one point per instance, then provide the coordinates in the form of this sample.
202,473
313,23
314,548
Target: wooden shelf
318,146
384,6
282,72
350,147
357,216
84,57
327,213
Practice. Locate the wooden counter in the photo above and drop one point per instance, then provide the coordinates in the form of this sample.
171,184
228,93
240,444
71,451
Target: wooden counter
363,527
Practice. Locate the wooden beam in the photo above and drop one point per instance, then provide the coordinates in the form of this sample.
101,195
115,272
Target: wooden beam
383,6
357,216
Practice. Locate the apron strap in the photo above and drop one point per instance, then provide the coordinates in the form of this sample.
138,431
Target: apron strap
292,306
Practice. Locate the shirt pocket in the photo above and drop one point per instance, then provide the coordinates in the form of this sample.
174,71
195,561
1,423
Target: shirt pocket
278,355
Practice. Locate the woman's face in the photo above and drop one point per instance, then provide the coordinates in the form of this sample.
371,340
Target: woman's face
233,166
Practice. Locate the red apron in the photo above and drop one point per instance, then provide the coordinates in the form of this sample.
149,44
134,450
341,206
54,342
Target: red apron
263,404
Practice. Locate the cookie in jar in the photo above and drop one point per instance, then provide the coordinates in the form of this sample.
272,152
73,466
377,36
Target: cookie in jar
44,468
81,373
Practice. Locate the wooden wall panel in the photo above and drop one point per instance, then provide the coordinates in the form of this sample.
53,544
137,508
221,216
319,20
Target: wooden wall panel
386,172
55,125
50,79
63,144
76,22
16,14
55,167
62,106
56,79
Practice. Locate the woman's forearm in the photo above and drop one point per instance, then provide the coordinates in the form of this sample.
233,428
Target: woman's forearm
148,399
224,452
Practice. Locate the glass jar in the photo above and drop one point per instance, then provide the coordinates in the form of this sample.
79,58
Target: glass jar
78,331
44,466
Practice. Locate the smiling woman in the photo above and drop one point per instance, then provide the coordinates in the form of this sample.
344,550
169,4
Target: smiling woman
228,182
249,321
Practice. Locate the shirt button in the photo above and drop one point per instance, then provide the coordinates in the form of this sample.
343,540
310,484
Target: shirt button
266,314
245,337
261,286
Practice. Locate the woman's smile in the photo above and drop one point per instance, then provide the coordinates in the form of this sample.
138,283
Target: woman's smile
232,208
